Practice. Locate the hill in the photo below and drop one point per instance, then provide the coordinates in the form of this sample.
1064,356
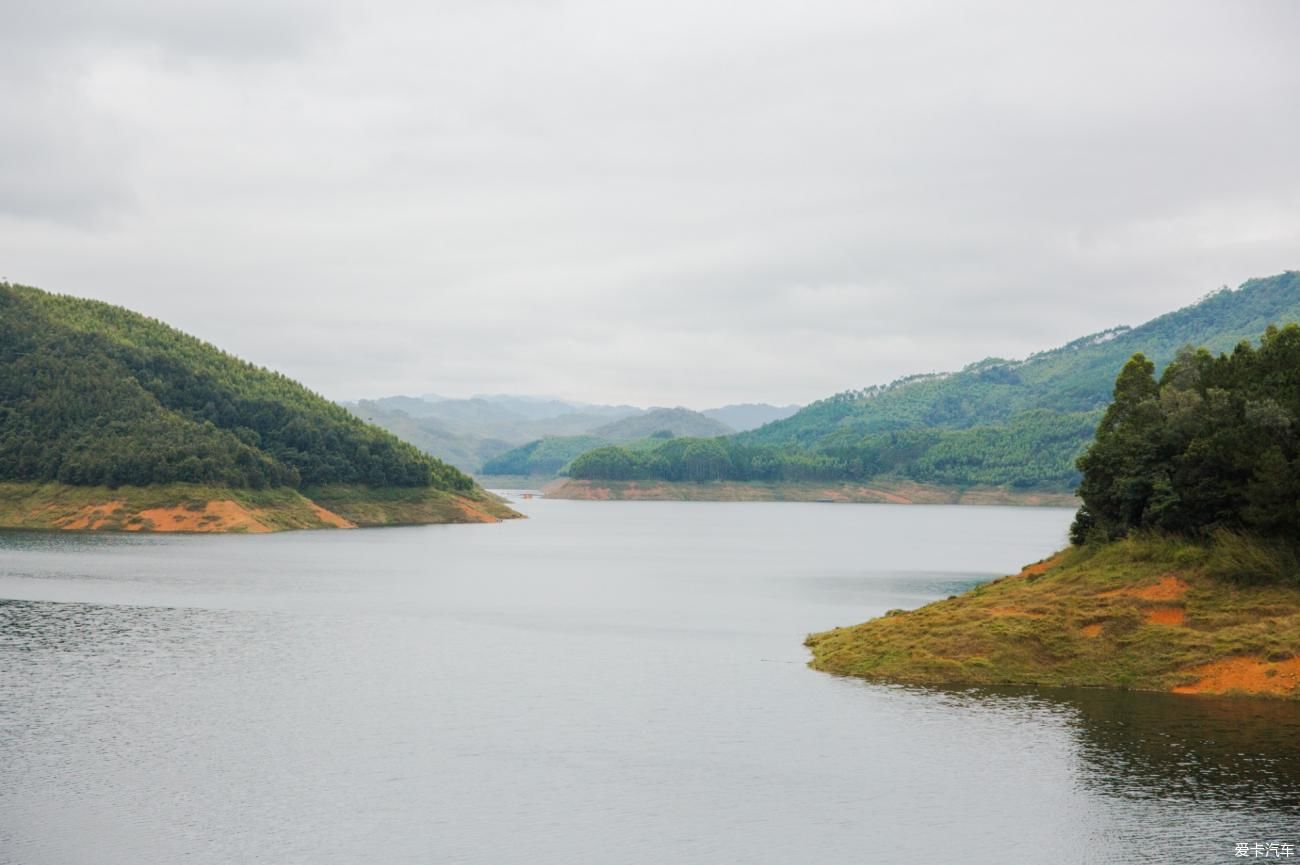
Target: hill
1185,574
506,418
551,455
1016,424
675,422
108,412
469,432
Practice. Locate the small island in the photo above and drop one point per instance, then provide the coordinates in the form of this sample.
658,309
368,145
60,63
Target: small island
1184,573
112,421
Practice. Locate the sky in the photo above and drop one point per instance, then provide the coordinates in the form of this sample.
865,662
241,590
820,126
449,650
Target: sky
659,203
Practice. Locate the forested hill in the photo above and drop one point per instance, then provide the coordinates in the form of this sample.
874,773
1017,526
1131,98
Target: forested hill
95,395
997,422
1077,377
672,421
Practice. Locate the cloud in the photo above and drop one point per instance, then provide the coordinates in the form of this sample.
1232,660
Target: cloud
659,203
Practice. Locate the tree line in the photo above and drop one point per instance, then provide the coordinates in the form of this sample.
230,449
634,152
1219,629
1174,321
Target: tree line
1212,445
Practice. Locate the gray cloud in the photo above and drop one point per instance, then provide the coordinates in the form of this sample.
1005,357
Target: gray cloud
657,203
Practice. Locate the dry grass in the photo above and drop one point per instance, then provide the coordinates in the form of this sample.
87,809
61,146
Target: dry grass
1144,613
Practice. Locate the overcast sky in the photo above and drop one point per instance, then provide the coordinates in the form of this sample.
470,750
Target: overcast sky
659,203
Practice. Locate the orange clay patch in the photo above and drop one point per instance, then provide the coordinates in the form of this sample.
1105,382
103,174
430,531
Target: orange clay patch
1168,589
90,517
1249,675
218,516
330,518
1166,616
474,512
1091,631
1041,567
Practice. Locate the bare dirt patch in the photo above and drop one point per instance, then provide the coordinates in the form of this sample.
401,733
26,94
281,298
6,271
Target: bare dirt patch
1091,631
219,516
89,518
1169,588
1176,616
475,513
1040,567
1244,674
330,518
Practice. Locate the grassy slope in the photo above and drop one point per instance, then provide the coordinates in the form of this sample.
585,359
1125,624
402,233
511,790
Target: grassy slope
394,506
1140,614
207,508
759,491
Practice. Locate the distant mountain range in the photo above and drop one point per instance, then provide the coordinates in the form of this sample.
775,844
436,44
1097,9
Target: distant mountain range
1014,423
472,433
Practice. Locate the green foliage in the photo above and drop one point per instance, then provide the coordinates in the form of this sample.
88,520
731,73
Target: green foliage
1034,450
546,456
93,394
1249,560
1213,447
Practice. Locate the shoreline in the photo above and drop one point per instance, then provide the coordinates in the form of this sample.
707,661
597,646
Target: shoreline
1139,615
898,493
205,509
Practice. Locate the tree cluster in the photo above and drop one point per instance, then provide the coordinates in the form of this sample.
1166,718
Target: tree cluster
1214,444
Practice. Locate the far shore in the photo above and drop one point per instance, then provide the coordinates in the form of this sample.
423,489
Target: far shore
898,493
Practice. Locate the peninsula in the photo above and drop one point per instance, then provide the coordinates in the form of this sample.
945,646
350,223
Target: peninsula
1184,574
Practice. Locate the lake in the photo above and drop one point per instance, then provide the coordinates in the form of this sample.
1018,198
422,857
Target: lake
601,683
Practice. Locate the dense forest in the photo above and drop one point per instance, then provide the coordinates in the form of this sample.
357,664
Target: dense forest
1020,424
1213,445
93,394
545,456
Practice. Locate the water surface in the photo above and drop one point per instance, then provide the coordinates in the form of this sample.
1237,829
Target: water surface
604,682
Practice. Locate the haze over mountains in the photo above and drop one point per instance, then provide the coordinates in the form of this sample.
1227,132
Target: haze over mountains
468,433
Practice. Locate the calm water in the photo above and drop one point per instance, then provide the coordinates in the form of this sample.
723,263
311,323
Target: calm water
602,683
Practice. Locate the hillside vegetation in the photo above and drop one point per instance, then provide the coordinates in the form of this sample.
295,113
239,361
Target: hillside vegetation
1185,573
1019,424
96,396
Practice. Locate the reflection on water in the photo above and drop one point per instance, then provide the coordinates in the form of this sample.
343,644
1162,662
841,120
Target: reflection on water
616,684
1243,754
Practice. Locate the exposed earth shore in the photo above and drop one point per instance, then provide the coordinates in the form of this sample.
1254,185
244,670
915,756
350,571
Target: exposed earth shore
207,509
1140,614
